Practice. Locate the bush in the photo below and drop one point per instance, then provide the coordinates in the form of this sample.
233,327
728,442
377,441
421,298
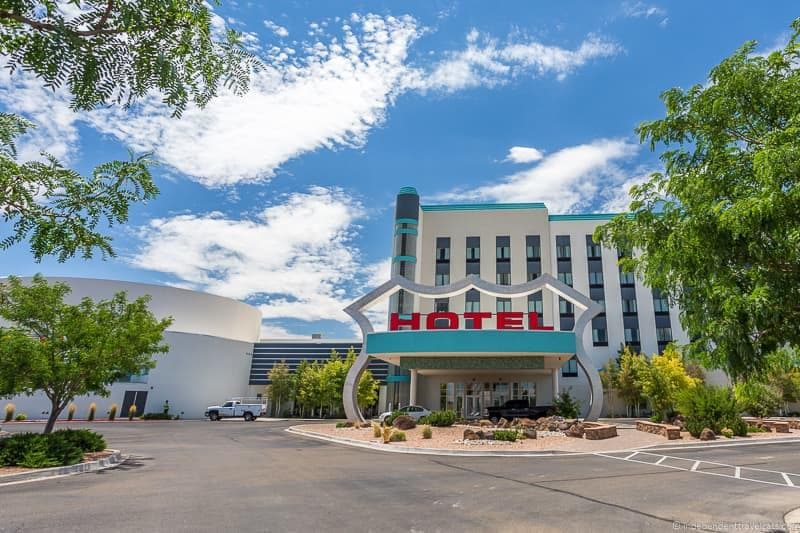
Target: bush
758,399
710,407
340,425
509,435
85,439
756,429
60,448
440,419
92,410
397,436
112,411
390,419
71,411
727,433
21,417
156,416
565,405
376,430
427,432
10,408
132,411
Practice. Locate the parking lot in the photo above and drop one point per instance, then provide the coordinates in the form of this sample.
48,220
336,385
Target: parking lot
236,476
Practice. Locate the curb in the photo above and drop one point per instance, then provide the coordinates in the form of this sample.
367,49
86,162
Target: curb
509,453
59,471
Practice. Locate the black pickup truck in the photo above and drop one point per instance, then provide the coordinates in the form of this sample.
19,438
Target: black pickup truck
517,409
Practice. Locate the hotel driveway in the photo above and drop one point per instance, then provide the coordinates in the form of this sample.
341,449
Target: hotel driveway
235,476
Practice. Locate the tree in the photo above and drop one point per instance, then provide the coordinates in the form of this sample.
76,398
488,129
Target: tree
368,388
70,350
718,229
281,386
113,52
631,366
608,376
664,380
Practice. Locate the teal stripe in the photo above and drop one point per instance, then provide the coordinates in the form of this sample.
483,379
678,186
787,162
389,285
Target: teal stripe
406,221
409,258
407,190
407,231
490,341
398,379
585,216
481,207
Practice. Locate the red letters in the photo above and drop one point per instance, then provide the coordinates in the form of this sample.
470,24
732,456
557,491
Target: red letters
395,321
533,322
509,320
505,320
452,320
477,318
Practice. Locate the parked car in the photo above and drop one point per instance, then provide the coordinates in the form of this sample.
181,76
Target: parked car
414,411
235,409
517,409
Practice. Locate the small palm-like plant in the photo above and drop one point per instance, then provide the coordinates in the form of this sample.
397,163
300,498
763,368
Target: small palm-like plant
112,411
92,411
71,411
387,434
10,408
131,411
376,430
427,432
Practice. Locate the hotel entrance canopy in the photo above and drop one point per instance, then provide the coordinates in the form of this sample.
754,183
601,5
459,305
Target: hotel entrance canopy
467,348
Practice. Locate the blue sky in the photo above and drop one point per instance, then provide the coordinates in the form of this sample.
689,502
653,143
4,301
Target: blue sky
283,198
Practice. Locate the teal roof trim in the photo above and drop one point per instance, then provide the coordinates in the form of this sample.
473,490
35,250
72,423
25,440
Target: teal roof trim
407,190
407,231
406,221
585,216
491,341
409,258
482,207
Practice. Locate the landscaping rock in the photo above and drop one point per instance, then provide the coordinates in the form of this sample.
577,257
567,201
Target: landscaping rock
471,435
404,422
502,423
563,426
665,430
707,434
486,423
528,433
575,430
526,422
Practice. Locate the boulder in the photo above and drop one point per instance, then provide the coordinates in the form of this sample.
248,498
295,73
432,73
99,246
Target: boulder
486,423
563,426
470,435
502,423
526,422
404,422
575,430
707,434
528,432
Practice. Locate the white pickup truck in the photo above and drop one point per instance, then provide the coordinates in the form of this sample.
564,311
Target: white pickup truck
235,409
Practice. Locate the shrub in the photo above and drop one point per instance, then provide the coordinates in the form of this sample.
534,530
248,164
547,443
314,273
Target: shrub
85,439
156,416
92,410
758,399
35,450
71,411
710,407
510,435
10,408
727,433
112,411
756,429
376,430
341,425
427,432
387,434
21,417
390,419
132,411
397,436
440,418
565,405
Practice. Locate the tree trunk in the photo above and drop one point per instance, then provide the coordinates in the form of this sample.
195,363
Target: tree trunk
55,410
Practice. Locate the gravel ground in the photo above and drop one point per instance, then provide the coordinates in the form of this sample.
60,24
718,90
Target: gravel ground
450,439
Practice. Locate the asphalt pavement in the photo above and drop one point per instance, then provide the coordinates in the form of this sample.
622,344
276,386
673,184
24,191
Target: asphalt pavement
237,476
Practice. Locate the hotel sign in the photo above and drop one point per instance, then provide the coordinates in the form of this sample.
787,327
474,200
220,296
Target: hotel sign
448,320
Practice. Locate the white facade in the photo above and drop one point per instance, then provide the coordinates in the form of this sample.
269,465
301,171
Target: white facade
210,349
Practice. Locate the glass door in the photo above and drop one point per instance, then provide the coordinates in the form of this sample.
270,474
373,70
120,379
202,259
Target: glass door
472,406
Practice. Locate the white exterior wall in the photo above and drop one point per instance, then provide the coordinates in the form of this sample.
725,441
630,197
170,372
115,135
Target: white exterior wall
210,351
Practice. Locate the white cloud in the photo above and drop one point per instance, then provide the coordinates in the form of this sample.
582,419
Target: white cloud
642,10
617,198
295,259
567,180
330,96
270,331
523,154
280,31
487,62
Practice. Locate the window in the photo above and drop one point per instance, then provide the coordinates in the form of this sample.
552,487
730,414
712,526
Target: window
442,279
503,278
503,305
570,369
602,304
473,253
599,336
627,278
631,334
472,307
563,251
443,254
503,253
595,278
533,252
565,277
661,305
442,306
535,306
532,276
664,334
629,306
565,307
594,251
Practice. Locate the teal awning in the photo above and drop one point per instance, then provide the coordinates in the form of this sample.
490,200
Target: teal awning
483,341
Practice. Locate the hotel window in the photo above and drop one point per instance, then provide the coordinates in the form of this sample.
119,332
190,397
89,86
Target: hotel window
563,251
565,277
570,369
629,306
627,278
503,246
565,307
473,254
664,335
442,249
472,307
631,335
599,337
503,278
532,276
533,252
594,251
595,278
441,305
661,305
442,279
503,305
536,306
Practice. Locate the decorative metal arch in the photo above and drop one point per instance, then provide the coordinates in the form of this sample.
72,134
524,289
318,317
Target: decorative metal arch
589,309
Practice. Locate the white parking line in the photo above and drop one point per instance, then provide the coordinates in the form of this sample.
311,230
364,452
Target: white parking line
697,464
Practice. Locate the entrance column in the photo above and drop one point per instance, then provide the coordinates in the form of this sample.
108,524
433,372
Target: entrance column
555,384
412,394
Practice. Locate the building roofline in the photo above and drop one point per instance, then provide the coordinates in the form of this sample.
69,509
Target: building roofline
582,216
482,207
